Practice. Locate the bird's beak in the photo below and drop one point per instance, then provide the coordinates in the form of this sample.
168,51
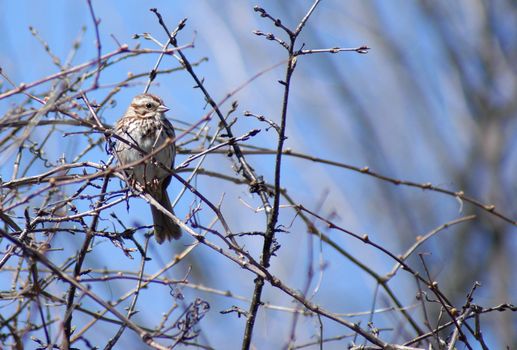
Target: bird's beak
162,108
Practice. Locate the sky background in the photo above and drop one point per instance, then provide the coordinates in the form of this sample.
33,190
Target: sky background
431,102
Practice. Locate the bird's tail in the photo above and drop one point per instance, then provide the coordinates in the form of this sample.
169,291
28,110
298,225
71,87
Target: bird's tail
164,227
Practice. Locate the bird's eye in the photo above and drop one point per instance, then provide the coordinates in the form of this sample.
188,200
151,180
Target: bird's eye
148,105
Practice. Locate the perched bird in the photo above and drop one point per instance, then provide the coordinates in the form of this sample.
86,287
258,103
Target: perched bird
141,131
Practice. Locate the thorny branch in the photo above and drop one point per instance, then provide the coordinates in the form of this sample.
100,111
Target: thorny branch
268,248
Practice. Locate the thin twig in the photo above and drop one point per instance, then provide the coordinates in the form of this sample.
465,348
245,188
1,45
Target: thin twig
97,44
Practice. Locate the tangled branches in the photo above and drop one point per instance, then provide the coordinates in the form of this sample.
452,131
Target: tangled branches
78,266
